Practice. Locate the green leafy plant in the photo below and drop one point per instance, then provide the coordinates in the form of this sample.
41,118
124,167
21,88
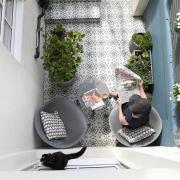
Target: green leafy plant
143,40
176,92
177,22
62,53
141,65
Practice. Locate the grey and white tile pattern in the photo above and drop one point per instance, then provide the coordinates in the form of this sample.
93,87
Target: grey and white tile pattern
105,46
71,10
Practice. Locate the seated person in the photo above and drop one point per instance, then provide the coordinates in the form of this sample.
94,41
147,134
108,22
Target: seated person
134,113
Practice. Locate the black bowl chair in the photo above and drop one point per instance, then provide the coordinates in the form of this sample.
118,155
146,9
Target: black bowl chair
154,121
74,120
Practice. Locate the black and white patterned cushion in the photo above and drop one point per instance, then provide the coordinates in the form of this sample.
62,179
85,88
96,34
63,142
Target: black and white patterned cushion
53,125
135,135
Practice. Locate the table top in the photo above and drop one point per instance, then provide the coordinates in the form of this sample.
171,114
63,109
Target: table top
90,85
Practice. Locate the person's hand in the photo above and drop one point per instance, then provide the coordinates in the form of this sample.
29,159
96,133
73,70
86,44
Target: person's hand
96,98
113,93
123,121
141,83
141,89
119,102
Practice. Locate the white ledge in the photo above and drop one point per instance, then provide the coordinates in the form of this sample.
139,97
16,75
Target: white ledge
139,7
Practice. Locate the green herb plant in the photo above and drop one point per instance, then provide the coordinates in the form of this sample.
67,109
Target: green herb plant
176,92
143,40
62,53
141,65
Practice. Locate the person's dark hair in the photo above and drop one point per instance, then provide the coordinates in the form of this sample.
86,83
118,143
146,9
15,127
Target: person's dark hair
139,105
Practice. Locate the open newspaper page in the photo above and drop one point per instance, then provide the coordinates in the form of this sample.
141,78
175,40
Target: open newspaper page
126,83
92,99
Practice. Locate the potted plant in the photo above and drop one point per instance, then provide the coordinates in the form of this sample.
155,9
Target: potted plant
62,55
176,92
141,65
141,41
177,22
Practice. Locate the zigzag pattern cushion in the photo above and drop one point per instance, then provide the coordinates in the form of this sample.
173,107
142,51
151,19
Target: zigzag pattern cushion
135,135
53,125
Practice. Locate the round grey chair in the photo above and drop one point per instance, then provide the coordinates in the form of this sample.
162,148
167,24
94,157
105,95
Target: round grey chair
154,121
74,120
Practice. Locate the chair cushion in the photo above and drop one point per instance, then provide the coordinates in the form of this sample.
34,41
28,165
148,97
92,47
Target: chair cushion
135,135
53,125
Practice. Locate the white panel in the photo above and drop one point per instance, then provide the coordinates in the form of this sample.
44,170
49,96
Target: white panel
9,11
0,16
139,7
7,35
21,92
18,26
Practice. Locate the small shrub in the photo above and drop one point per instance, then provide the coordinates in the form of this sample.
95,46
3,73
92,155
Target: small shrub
176,92
141,65
177,22
143,40
62,53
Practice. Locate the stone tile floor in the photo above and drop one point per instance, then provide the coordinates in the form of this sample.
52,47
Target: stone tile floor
105,46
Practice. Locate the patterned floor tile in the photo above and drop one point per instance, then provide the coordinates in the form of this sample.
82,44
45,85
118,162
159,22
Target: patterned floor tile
105,45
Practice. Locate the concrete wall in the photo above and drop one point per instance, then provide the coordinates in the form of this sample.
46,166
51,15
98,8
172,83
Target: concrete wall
21,91
139,7
157,22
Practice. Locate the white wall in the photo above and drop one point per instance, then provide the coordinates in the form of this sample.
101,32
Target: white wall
139,7
21,91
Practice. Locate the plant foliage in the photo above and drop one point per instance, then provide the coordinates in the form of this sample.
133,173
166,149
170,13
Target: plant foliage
62,53
143,40
176,92
141,65
177,22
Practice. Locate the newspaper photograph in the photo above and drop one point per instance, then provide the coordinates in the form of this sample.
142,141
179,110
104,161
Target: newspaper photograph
126,83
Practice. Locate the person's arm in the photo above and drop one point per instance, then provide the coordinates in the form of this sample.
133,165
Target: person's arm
141,89
122,118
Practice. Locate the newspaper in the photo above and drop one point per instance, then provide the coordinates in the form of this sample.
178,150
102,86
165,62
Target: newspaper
92,99
126,83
